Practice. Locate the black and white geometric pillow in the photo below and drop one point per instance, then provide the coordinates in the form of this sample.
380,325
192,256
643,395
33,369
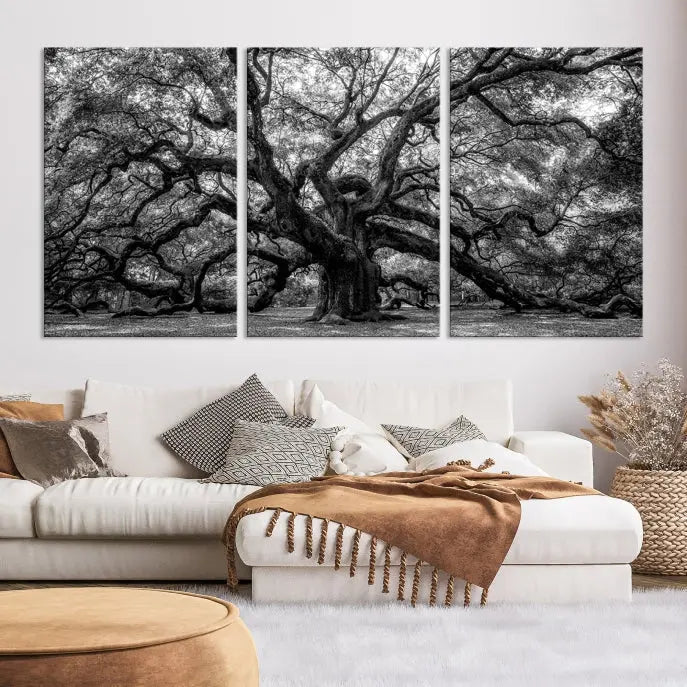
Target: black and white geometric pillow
419,440
203,438
4,398
297,421
261,454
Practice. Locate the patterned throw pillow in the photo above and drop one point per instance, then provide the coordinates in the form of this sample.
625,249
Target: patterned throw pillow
419,440
297,421
14,397
203,439
261,454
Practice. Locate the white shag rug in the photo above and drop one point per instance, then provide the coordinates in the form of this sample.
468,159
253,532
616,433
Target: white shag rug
394,645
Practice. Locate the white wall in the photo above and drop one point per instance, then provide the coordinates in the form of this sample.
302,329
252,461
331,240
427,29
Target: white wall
548,373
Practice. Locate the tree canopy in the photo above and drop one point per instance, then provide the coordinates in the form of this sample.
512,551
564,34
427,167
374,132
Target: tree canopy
546,177
140,175
343,176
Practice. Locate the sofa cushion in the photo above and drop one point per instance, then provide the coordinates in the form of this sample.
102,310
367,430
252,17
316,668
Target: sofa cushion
16,508
575,530
138,415
150,507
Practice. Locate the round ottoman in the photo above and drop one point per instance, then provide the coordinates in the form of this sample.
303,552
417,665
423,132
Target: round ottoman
119,637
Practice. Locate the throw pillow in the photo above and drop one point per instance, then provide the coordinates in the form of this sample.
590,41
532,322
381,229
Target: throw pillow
419,440
477,451
359,448
23,410
202,440
261,454
366,454
53,451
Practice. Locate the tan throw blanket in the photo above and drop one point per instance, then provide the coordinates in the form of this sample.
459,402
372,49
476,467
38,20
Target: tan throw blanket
455,518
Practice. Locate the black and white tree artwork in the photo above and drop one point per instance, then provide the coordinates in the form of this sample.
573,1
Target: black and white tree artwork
140,204
343,192
546,192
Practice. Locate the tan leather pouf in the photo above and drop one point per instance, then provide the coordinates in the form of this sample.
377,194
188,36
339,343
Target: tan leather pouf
119,637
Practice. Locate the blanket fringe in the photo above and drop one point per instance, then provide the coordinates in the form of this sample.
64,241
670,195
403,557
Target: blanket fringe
323,541
308,537
229,538
433,589
354,553
402,576
272,522
339,546
462,461
373,561
387,569
483,599
489,462
449,591
416,583
467,595
289,532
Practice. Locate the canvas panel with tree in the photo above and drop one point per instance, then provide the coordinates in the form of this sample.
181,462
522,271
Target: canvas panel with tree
546,192
343,192
140,204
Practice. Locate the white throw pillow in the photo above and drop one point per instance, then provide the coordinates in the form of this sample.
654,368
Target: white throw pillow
477,451
371,453
359,448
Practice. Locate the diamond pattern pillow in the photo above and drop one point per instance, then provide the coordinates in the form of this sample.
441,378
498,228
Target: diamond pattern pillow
203,439
261,454
419,440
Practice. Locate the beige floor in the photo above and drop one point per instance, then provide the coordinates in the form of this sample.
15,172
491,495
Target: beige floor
638,582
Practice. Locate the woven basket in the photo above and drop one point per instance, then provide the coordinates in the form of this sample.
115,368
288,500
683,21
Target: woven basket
660,496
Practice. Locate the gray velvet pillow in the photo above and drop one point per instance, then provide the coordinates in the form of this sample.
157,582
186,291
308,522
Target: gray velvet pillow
53,451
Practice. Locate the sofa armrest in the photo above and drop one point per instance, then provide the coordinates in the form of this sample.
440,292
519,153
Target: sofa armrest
560,455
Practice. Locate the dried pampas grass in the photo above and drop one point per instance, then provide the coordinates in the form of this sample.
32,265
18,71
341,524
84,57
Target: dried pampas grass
643,420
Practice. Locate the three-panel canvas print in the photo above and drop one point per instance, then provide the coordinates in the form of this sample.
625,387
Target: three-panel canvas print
353,191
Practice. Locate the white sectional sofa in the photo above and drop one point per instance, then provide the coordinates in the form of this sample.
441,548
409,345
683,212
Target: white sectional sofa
160,523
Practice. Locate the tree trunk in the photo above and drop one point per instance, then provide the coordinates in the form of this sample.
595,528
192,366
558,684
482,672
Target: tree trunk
348,288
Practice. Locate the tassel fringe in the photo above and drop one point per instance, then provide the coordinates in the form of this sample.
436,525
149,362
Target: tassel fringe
467,595
323,541
289,532
433,589
387,569
373,561
402,576
273,522
339,546
483,599
354,553
229,538
308,537
449,591
486,464
416,583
